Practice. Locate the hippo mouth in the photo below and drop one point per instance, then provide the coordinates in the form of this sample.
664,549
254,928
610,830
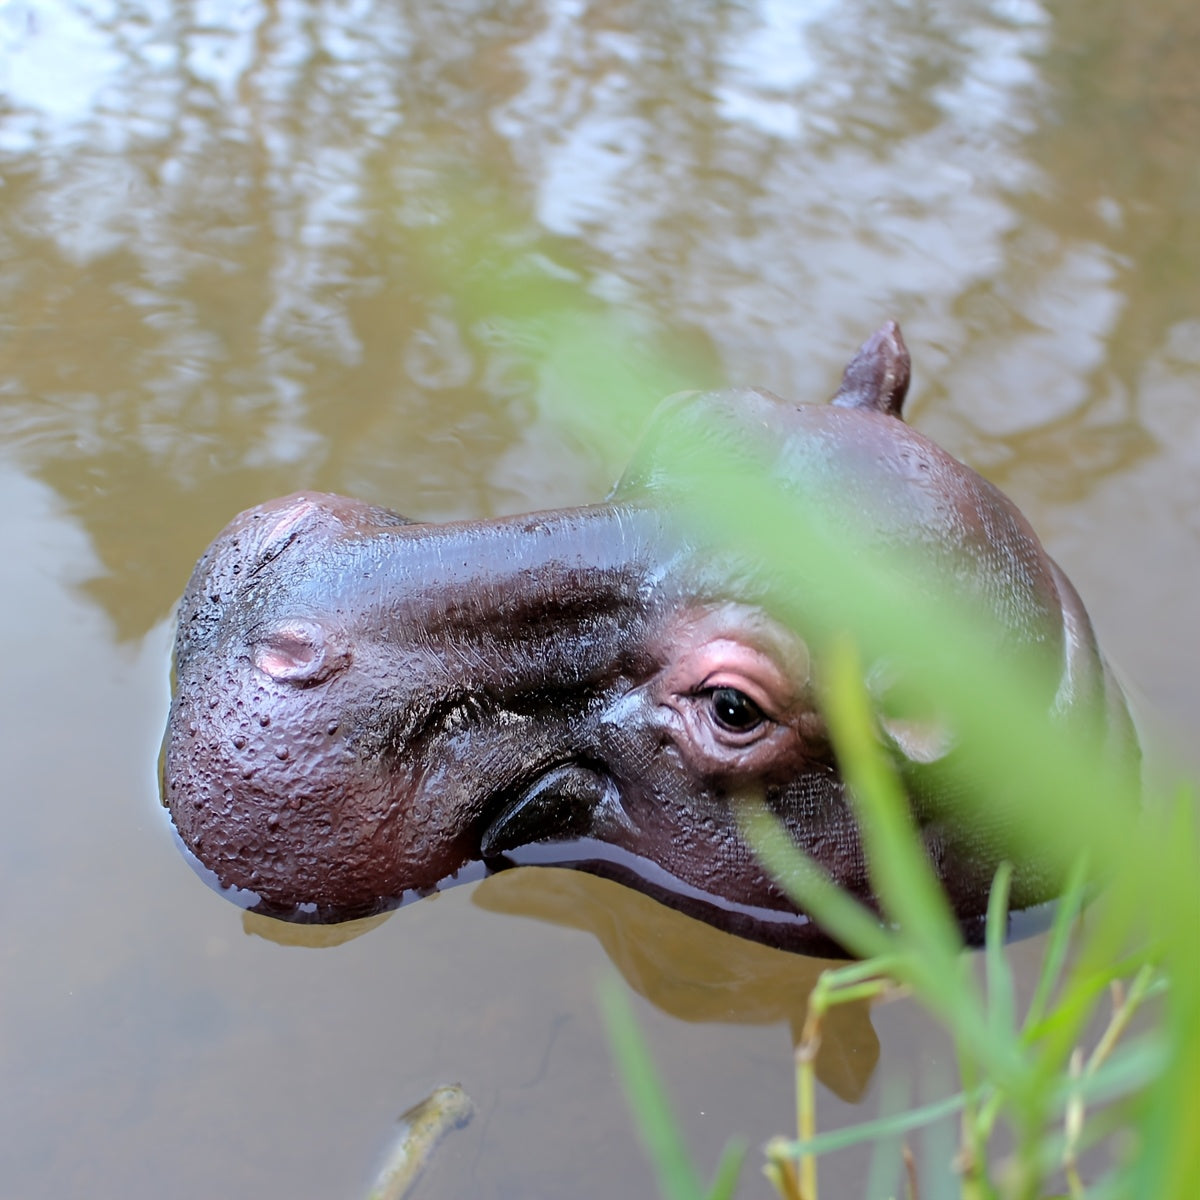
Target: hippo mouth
782,926
562,804
572,816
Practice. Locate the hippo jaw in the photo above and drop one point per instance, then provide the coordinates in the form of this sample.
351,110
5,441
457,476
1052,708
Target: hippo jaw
727,715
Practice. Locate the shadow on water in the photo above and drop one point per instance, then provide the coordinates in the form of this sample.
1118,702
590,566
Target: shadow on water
364,248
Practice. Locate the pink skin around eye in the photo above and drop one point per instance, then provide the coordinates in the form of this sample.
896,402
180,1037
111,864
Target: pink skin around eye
737,646
725,663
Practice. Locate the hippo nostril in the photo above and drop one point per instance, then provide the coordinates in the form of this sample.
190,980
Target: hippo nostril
298,652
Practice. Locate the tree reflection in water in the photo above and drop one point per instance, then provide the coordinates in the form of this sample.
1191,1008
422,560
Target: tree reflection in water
327,245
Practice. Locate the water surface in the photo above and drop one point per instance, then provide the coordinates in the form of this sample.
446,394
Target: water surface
248,248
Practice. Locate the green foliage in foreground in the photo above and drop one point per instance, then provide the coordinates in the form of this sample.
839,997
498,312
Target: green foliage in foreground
1057,1094
1036,1075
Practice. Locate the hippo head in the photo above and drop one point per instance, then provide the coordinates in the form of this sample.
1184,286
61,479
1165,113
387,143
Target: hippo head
365,705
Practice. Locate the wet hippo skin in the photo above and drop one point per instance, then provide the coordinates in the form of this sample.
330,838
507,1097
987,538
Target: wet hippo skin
364,705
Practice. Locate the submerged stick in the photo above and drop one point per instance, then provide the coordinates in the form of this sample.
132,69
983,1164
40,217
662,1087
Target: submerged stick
422,1128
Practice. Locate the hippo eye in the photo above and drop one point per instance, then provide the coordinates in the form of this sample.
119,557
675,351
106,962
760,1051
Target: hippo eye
735,711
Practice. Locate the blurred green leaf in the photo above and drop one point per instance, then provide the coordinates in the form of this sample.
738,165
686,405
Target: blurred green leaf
1001,1001
1058,941
866,1131
725,1180
841,916
1055,794
657,1127
899,868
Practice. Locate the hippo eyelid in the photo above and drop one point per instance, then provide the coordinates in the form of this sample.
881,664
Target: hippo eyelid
726,681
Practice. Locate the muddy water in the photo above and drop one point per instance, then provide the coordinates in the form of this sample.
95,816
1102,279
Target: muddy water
252,247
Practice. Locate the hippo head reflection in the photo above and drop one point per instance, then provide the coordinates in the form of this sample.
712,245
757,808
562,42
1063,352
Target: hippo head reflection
684,967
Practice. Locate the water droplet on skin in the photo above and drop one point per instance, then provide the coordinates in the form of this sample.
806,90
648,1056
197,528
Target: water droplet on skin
281,753
273,821
331,728
265,720
239,742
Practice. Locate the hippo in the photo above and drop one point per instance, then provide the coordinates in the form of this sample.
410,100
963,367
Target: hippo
367,708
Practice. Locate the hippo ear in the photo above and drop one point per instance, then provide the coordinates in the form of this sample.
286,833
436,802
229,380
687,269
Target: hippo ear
919,741
877,377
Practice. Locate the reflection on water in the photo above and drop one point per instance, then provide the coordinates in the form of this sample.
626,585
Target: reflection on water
682,966
364,247
689,969
249,233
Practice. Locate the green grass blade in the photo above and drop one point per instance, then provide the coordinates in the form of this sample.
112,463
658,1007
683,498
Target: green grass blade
1001,1000
1129,1069
867,1131
1058,942
896,858
903,876
659,1131
841,916
656,1123
886,1154
725,1181
1061,1029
